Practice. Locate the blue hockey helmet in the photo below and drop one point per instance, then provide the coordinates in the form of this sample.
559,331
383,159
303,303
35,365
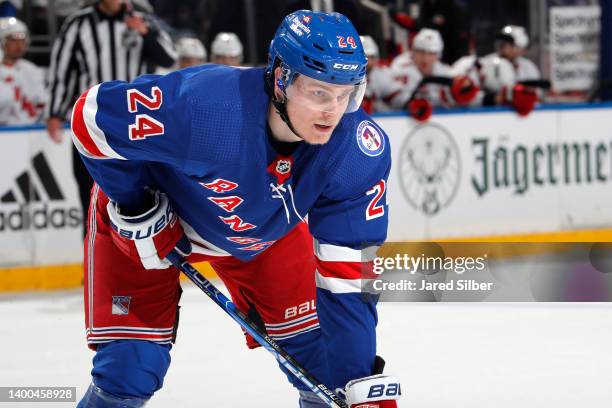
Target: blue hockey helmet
322,46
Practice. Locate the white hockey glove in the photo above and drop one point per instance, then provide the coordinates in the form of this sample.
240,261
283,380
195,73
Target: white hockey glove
375,391
149,237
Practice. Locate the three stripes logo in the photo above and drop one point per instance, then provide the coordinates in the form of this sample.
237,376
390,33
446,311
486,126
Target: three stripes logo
37,201
28,189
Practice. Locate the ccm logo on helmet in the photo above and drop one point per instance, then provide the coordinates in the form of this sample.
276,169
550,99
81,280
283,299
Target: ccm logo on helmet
348,67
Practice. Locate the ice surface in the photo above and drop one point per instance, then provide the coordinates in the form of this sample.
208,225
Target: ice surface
476,355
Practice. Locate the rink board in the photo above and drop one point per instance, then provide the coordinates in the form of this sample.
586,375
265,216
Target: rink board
493,173
40,213
483,174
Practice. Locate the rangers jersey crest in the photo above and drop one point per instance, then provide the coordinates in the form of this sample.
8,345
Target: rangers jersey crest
121,305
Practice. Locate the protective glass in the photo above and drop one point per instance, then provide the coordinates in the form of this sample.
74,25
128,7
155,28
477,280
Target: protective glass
325,97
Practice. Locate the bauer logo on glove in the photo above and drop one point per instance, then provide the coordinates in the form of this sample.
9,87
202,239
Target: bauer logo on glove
151,235
149,228
377,391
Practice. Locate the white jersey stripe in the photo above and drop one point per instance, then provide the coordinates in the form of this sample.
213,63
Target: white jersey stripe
128,328
97,135
109,338
129,332
285,336
90,259
299,319
270,329
337,285
336,253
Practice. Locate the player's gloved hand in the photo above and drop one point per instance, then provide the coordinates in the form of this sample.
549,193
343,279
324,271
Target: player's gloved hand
522,98
463,90
149,236
375,391
420,109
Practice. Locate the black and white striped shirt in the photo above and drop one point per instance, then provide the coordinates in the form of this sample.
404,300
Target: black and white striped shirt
93,47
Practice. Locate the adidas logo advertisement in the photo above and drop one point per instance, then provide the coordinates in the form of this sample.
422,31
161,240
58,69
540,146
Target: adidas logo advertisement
24,218
41,221
36,201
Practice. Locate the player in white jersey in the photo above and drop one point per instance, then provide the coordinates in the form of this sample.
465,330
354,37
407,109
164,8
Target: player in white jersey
414,69
226,49
382,87
22,88
500,73
512,43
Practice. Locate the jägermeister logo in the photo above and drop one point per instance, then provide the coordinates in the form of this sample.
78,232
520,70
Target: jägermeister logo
519,168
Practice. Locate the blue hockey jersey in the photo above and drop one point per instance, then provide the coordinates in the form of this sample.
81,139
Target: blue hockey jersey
201,136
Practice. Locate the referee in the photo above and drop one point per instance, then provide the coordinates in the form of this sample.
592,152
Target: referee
102,42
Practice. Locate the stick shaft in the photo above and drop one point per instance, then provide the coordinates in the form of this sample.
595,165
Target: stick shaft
284,358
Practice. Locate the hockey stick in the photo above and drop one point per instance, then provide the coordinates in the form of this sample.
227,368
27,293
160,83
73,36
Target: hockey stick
284,358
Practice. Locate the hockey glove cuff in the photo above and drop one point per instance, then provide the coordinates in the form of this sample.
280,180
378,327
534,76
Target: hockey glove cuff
149,236
375,391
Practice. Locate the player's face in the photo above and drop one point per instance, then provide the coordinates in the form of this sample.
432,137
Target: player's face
15,47
316,107
425,61
509,51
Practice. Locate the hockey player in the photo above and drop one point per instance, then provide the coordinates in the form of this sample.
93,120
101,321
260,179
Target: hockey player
190,52
382,87
22,86
413,69
500,73
226,49
512,42
224,164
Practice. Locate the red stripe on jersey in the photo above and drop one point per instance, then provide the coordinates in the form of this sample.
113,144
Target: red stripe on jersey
346,270
80,130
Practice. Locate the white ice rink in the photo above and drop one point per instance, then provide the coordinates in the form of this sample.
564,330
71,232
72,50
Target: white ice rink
480,355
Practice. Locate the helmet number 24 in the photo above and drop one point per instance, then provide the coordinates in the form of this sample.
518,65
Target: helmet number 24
345,42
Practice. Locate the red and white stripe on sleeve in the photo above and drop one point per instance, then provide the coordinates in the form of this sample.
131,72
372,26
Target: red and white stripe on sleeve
342,269
87,136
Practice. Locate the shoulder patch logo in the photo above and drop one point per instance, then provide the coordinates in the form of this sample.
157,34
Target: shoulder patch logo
369,139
